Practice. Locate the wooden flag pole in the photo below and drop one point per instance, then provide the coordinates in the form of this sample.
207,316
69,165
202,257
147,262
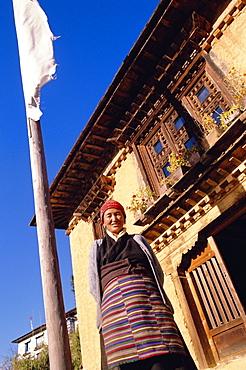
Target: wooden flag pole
58,340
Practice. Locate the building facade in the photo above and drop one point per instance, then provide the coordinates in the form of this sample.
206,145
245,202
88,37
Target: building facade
178,99
32,343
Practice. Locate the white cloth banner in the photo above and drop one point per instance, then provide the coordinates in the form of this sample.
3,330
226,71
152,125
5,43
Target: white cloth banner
35,42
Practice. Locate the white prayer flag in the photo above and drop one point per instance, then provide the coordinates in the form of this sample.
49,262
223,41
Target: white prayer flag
35,42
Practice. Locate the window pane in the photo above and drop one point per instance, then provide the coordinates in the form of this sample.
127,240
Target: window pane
165,169
71,325
27,347
158,147
179,123
202,94
216,114
39,341
190,143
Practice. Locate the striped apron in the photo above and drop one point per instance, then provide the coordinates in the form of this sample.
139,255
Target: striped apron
135,323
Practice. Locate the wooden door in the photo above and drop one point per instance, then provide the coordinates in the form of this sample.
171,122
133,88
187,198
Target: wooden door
221,312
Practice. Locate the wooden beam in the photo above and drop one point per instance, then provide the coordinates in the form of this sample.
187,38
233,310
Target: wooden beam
94,156
93,146
200,193
222,172
172,218
133,82
74,182
211,182
123,94
190,202
101,127
65,191
98,137
235,161
116,106
86,166
181,210
149,55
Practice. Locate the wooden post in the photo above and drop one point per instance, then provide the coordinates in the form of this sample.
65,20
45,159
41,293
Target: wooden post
58,340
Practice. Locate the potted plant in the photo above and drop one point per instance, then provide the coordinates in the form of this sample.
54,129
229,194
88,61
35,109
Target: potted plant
212,131
140,201
227,117
183,158
166,182
237,84
182,161
177,160
209,124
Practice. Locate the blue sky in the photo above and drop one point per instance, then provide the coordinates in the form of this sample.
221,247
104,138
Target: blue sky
96,36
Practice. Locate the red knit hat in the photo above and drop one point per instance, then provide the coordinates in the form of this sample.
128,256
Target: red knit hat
111,204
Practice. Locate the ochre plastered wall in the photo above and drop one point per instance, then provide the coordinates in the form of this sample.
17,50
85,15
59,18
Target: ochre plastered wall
81,239
229,49
128,180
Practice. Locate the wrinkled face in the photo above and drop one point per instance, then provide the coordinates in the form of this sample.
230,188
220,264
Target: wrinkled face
113,220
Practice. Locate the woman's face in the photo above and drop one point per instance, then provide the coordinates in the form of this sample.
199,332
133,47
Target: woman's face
113,220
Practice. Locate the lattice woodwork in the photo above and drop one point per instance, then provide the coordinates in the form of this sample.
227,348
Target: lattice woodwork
179,137
214,100
150,145
170,138
216,298
158,160
220,309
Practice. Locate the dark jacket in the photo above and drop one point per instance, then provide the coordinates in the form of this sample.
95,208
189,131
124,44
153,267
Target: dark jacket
94,281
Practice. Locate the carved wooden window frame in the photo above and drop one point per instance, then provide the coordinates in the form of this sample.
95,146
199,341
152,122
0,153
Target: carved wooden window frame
212,78
165,130
171,139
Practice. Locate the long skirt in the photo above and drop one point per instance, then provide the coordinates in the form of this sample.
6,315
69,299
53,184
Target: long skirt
136,324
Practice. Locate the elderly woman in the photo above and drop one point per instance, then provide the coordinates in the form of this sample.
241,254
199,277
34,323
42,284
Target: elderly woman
133,311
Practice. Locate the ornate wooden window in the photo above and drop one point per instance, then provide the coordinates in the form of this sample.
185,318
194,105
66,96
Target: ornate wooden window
158,146
179,124
202,94
170,135
206,97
